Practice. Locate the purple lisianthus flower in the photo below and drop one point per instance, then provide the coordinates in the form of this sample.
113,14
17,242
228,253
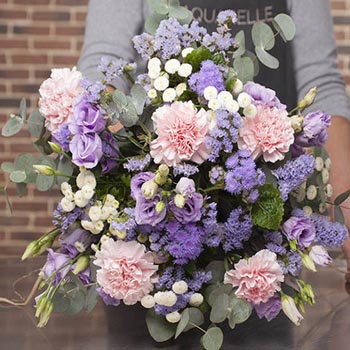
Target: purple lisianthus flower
191,212
68,241
137,181
107,299
262,95
185,186
86,150
55,262
87,117
110,149
270,309
320,255
84,276
146,213
314,130
301,229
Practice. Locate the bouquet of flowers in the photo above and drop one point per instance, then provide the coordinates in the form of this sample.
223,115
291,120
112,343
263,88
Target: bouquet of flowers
196,194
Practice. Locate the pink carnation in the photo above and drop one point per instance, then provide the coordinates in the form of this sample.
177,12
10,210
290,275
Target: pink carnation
57,95
126,271
181,134
269,133
257,278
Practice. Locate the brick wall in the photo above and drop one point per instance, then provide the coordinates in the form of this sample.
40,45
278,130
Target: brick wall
36,35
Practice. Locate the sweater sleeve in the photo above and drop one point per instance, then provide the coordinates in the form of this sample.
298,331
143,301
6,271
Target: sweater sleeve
110,26
315,56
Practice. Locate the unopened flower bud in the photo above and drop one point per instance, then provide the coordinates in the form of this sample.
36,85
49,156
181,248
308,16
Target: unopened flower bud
173,317
160,206
180,287
160,179
237,87
142,238
179,201
31,250
308,210
290,309
44,169
308,262
148,301
309,98
320,255
325,176
81,264
319,163
196,299
297,122
163,170
311,192
149,189
55,147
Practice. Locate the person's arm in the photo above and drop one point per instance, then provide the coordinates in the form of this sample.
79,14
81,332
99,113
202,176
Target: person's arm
110,26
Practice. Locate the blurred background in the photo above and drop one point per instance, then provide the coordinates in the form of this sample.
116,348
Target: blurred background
36,35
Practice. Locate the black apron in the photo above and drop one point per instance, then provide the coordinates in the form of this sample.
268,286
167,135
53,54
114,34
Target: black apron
248,12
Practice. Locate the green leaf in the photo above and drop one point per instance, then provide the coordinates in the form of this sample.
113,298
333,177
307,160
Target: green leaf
338,215
240,40
7,167
285,25
266,59
196,317
21,189
241,310
218,292
244,67
159,6
159,329
120,99
64,166
23,108
196,57
138,96
152,22
61,303
128,116
180,13
255,60
217,269
263,36
219,310
219,59
44,182
18,176
91,299
12,126
268,210
342,197
35,123
212,339
185,319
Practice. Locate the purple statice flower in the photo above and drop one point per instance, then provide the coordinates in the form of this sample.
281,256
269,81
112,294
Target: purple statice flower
184,242
111,68
87,118
146,213
291,264
107,299
208,75
301,229
70,239
63,220
314,132
276,248
56,262
110,149
226,17
238,229
262,95
270,309
93,89
191,212
181,303
137,181
166,279
144,45
199,279
167,38
242,176
221,41
137,164
192,33
214,230
224,135
328,234
273,237
185,169
216,174
128,225
62,137
294,173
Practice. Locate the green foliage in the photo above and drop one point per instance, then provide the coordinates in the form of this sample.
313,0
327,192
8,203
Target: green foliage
240,40
196,318
342,197
138,96
12,126
244,67
240,311
267,59
338,215
185,319
126,109
218,293
18,176
196,57
220,309
36,123
268,210
217,269
63,166
285,26
158,327
263,36
219,59
152,22
44,182
212,339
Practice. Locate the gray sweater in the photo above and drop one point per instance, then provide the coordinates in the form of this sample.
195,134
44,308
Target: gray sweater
111,24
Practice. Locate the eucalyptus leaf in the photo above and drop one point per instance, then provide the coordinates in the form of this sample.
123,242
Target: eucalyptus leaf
217,269
285,25
23,109
219,310
91,299
7,167
36,123
64,166
196,318
180,13
240,40
263,36
12,126
255,60
153,21
18,176
120,99
159,6
128,116
241,309
185,319
342,197
138,96
212,339
61,303
244,67
266,59
218,292
21,189
44,182
159,329
338,215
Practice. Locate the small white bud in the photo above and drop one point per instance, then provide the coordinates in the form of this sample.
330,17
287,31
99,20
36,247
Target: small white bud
69,195
66,187
98,227
319,163
308,210
196,299
67,204
210,93
179,201
329,190
185,70
86,177
169,95
328,164
232,106
180,287
325,176
180,89
165,298
147,301
186,51
172,66
94,213
224,97
173,317
154,63
237,87
311,192
161,83
214,104
88,191
87,225
244,100
297,122
154,73
79,246
149,189
80,199
250,111
152,94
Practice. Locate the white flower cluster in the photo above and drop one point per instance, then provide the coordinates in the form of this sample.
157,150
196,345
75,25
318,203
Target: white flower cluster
160,77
